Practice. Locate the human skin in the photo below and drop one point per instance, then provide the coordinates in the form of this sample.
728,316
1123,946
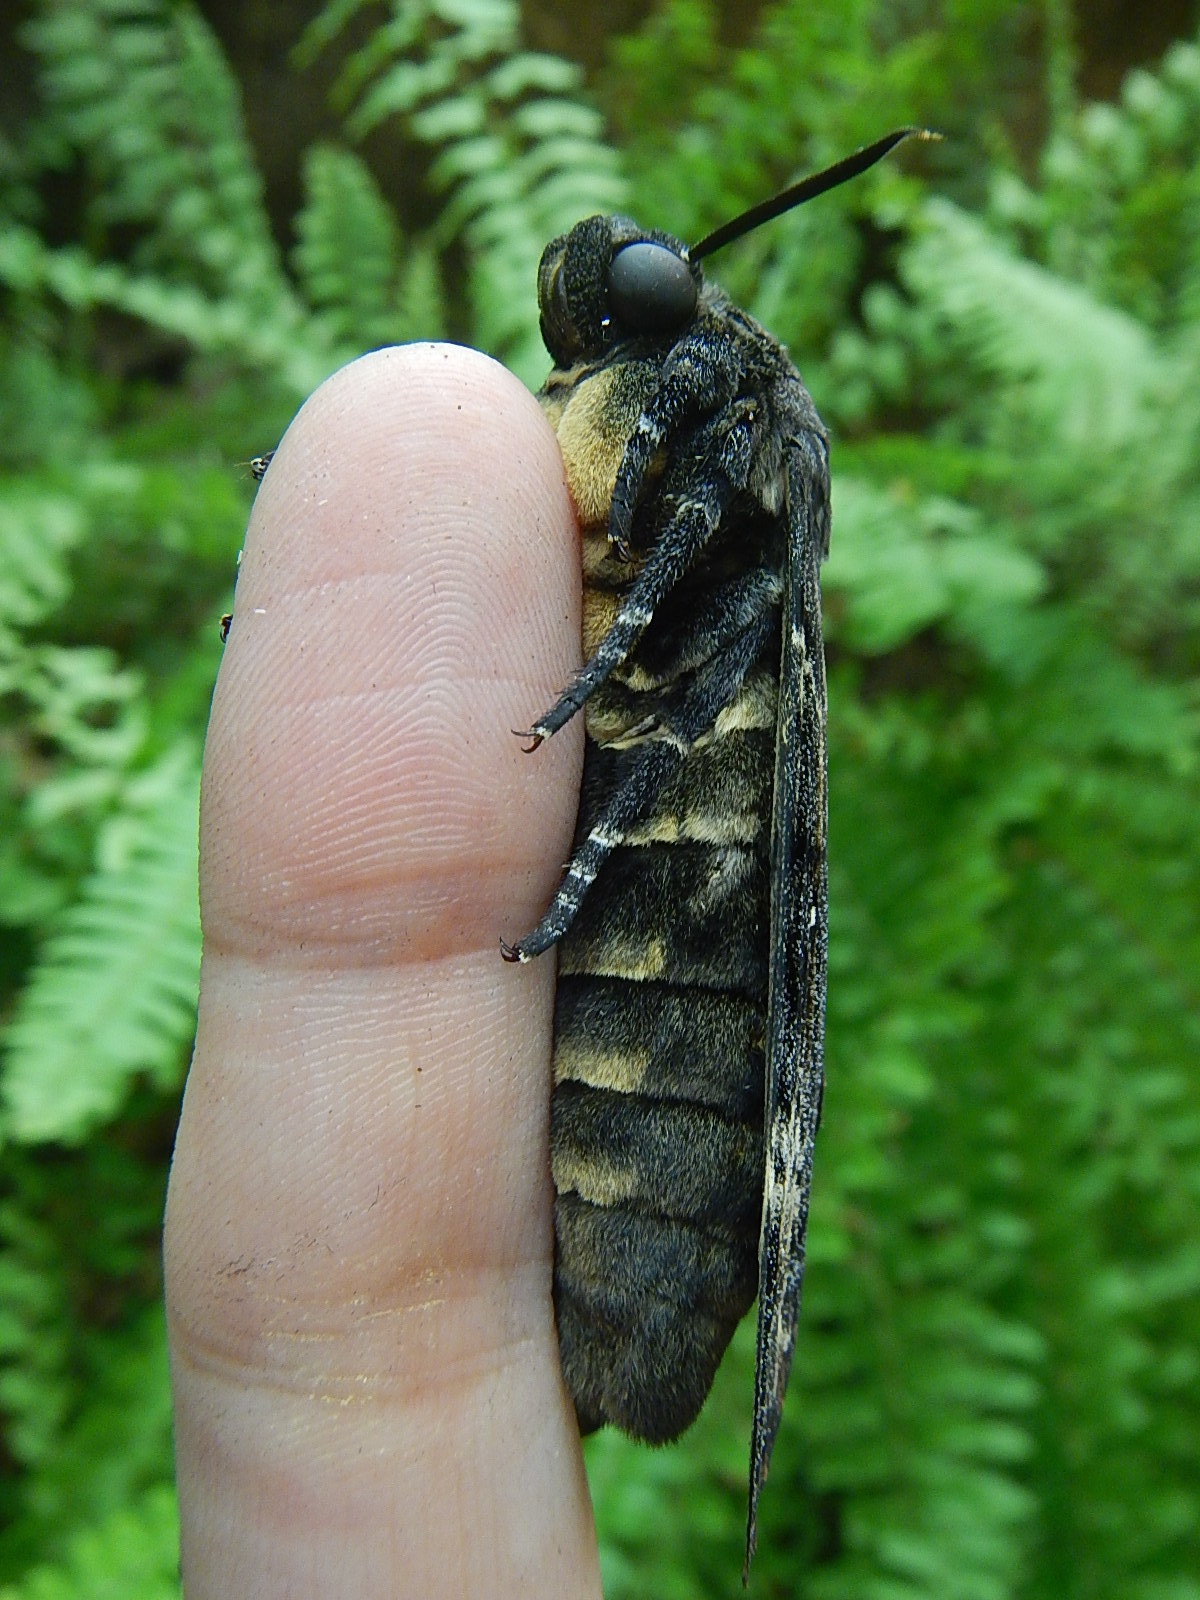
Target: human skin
359,1239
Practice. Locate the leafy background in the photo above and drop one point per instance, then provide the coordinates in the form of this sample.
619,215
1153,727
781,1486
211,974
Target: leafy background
997,1388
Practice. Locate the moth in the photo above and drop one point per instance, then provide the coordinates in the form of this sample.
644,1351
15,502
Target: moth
691,920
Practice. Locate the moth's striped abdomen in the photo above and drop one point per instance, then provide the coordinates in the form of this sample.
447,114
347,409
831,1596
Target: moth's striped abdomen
656,1129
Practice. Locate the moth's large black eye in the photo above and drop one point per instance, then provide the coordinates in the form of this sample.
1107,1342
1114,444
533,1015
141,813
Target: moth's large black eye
650,289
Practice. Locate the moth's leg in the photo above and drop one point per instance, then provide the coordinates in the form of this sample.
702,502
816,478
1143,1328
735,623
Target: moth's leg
699,377
724,614
629,707
725,450
695,711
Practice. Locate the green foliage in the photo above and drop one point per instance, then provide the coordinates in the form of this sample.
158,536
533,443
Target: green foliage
995,1370
83,1365
996,1390
513,149
114,993
140,95
348,259
135,1551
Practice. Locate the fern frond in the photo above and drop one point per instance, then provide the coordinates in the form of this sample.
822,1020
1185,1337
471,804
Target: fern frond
348,258
518,154
1118,207
146,98
1115,495
74,723
114,992
1088,368
84,705
38,530
282,343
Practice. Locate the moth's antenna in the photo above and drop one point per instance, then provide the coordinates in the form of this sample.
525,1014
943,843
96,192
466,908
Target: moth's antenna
807,189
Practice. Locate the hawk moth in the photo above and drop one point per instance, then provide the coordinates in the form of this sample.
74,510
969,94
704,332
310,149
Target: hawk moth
691,921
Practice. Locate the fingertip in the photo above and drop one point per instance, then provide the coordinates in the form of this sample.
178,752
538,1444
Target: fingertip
409,591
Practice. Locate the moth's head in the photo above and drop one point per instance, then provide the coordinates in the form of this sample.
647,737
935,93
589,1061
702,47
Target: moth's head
609,280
